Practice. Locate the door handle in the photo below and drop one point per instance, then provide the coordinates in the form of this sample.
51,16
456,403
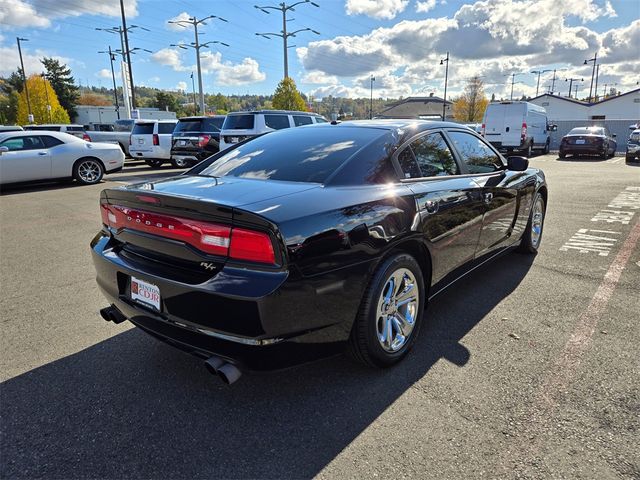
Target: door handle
431,206
42,153
488,197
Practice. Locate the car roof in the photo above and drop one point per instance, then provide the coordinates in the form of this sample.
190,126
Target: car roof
281,112
57,125
200,117
28,133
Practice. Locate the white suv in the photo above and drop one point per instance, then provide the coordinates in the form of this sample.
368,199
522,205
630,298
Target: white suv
151,141
239,126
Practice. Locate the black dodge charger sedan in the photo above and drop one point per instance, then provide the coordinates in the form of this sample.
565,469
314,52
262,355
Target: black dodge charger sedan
312,239
588,141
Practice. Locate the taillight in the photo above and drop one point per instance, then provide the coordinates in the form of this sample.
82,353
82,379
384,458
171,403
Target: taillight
237,243
130,140
86,137
523,132
156,139
203,140
484,130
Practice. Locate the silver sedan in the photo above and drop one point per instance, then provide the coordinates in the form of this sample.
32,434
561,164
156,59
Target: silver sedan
26,156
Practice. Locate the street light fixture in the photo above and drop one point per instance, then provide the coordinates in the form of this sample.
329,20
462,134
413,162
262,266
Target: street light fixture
24,77
513,81
539,72
571,80
446,80
112,57
284,8
593,72
193,21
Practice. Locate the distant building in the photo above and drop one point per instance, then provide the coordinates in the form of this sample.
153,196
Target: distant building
621,107
418,107
87,114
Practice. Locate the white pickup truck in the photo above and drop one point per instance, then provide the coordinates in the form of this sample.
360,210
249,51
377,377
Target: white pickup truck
120,133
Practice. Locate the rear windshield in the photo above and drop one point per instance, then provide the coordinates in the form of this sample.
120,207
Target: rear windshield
142,129
123,125
294,155
587,131
166,127
216,122
238,122
189,125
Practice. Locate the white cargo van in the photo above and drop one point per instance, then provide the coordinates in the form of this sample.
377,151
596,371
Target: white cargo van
516,126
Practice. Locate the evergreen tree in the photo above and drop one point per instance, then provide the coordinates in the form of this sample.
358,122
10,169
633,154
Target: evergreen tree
41,94
63,83
287,97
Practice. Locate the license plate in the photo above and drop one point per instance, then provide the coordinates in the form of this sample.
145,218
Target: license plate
145,292
182,143
579,142
141,141
235,139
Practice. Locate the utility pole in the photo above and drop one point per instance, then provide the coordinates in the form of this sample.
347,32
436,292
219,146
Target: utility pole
571,80
46,91
595,91
513,81
539,72
128,52
284,34
112,57
24,78
446,80
193,85
373,79
593,72
197,46
553,82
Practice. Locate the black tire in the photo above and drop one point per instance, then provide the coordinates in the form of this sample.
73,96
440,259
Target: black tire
562,155
88,171
154,162
605,154
529,151
547,147
365,344
531,239
179,163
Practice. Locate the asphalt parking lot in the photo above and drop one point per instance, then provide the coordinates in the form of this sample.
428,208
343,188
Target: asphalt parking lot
527,368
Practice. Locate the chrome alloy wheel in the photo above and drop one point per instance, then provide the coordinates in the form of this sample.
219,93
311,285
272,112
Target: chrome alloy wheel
537,218
89,171
397,310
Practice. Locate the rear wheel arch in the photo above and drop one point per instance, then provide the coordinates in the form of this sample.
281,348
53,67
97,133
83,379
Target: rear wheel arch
88,157
418,250
543,191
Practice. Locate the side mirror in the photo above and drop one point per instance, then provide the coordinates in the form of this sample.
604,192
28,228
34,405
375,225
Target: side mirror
517,164
552,128
3,150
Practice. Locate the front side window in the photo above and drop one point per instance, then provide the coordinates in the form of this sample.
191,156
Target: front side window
475,154
277,122
23,143
433,156
300,120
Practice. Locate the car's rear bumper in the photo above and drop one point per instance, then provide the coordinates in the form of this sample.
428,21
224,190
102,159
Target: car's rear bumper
150,152
582,149
256,320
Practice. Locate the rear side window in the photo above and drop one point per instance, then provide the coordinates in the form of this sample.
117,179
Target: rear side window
142,129
320,120
475,154
238,122
433,156
277,122
188,126
294,154
300,120
50,141
166,127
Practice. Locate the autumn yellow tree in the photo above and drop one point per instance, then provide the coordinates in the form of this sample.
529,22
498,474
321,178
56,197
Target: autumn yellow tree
470,106
40,95
287,97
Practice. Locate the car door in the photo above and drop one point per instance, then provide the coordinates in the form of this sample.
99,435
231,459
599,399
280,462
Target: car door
27,159
449,204
61,155
499,188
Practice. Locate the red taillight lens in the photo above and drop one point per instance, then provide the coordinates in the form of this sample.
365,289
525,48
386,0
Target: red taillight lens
86,137
203,140
251,246
484,129
156,139
237,243
523,133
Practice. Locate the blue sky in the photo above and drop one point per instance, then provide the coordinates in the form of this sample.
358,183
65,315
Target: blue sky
400,42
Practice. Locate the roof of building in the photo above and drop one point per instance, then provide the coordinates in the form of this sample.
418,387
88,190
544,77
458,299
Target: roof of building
586,104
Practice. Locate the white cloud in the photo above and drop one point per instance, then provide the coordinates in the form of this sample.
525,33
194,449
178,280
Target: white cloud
316,77
104,73
169,57
175,27
39,13
182,86
380,9
425,6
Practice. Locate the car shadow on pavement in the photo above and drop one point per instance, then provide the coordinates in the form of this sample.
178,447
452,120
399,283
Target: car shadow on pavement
132,407
593,159
19,188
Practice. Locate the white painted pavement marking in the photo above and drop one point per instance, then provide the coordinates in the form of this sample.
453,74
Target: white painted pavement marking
585,242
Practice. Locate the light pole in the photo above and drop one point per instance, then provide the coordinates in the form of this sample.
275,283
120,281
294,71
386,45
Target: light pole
197,46
193,86
373,79
24,77
571,80
539,72
446,80
46,92
284,8
593,72
513,81
112,57
595,91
